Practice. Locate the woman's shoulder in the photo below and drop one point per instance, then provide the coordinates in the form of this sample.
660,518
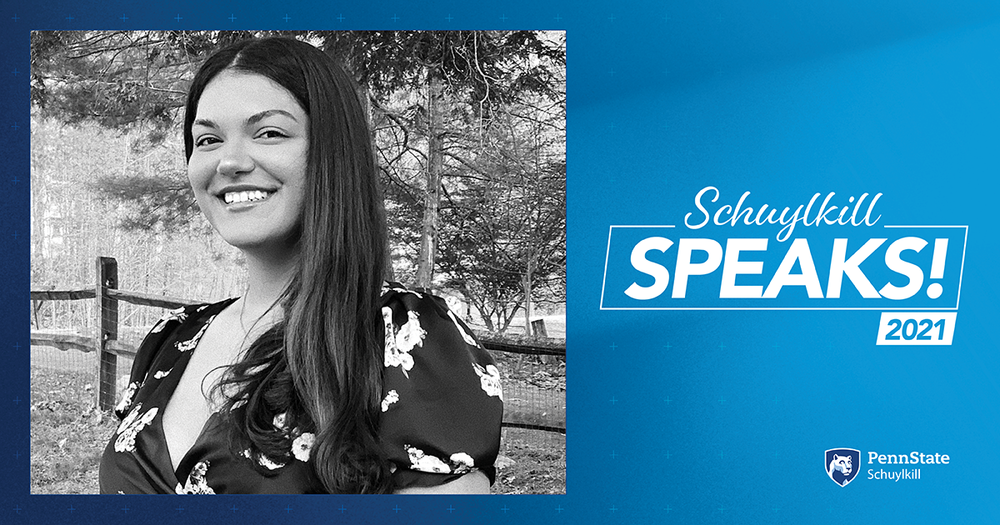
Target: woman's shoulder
415,303
173,322
173,329
417,322
176,317
393,292
443,401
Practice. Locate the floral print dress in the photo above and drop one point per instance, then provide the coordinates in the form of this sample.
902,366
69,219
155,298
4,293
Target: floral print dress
441,410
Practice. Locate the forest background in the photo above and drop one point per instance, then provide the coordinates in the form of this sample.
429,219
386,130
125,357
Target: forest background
469,131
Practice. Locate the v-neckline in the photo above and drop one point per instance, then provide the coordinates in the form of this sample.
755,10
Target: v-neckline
183,466
178,368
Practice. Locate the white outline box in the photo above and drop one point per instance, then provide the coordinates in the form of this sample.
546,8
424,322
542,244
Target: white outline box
947,331
607,256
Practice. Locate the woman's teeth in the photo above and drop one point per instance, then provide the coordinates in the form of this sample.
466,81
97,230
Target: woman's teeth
245,196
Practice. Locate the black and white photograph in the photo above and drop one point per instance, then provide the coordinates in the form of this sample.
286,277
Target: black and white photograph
288,262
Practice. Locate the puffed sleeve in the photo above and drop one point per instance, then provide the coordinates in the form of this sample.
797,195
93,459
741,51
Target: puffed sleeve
442,402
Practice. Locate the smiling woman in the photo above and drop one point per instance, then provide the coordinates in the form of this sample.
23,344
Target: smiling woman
321,377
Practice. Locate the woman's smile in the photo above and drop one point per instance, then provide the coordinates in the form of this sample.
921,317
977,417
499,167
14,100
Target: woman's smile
240,197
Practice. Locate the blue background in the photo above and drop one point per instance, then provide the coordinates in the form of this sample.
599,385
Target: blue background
688,417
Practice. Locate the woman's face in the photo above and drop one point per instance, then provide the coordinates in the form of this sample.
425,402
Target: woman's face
248,166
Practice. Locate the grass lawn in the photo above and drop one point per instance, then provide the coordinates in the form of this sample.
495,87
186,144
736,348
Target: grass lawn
537,463
68,434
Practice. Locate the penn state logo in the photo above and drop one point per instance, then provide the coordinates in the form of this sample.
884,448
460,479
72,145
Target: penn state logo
840,464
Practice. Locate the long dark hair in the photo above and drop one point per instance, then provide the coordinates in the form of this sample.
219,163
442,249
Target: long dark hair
322,364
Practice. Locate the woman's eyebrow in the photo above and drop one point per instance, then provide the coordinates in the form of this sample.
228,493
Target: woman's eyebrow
257,117
252,119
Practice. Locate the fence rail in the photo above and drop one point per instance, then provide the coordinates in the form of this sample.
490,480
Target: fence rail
62,295
78,342
105,342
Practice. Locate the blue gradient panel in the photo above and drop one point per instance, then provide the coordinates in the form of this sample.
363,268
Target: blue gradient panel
688,414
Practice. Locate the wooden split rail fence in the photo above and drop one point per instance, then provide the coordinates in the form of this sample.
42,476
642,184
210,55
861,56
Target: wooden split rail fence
108,348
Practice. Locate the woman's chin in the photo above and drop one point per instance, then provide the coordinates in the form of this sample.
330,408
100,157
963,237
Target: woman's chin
258,245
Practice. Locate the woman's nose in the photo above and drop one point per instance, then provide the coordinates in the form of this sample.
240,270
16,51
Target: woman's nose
235,161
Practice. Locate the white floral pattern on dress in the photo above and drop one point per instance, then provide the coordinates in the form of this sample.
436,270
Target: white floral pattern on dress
391,353
130,427
263,460
176,314
399,342
461,463
302,446
196,482
425,462
489,379
390,397
127,396
410,334
160,374
184,346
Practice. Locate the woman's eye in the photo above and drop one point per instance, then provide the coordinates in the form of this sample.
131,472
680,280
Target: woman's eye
205,141
271,134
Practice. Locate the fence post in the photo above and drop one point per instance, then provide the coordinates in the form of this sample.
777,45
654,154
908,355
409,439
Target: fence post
107,330
538,328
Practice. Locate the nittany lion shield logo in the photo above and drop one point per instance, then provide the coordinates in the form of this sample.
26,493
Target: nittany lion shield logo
841,464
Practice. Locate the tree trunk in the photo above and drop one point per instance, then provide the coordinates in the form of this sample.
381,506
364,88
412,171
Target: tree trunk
432,195
38,189
526,285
